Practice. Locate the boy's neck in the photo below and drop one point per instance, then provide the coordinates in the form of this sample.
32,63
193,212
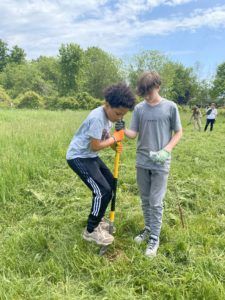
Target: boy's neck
154,100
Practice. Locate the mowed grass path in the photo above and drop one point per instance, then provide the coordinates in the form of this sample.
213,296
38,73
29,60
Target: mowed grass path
44,207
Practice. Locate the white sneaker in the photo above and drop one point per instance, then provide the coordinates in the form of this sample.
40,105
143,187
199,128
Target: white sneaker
152,248
143,236
99,236
105,225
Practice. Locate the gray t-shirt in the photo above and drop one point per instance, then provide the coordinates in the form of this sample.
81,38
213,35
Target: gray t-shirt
96,126
155,126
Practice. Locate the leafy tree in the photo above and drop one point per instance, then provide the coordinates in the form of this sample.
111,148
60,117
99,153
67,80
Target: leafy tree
146,61
3,54
17,79
218,89
70,63
178,82
49,69
184,85
203,97
168,72
100,70
17,55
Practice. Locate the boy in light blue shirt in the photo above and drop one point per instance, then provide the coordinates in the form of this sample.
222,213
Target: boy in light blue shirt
82,156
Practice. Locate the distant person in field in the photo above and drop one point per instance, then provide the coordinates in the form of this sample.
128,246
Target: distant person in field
82,157
196,116
157,124
211,114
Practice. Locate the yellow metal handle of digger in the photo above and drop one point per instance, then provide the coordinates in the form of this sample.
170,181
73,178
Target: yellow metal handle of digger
113,201
116,163
111,216
115,175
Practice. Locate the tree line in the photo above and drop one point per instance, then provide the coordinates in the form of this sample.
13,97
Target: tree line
76,78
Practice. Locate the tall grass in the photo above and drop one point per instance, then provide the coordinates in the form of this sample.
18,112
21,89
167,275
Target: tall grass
44,207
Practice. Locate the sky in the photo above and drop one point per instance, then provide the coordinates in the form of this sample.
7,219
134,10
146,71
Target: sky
187,31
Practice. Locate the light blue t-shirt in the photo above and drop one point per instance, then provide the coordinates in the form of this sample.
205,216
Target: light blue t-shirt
96,126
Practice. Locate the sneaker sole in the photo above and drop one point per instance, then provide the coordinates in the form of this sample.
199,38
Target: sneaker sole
89,239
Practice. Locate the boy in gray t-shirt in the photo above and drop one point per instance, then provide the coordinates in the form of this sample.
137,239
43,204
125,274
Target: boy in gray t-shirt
156,121
82,156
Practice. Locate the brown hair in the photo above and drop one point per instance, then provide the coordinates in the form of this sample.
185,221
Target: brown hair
147,82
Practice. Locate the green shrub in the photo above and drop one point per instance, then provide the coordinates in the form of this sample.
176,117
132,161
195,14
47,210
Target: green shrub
68,103
5,100
96,103
86,101
30,100
81,101
52,103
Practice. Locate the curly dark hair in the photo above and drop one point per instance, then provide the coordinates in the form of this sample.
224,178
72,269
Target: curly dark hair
120,95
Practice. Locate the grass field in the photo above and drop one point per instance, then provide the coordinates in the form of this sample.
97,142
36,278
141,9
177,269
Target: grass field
44,207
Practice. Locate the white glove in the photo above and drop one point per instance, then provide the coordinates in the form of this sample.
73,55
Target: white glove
159,157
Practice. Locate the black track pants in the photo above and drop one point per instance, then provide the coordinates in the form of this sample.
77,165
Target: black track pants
99,179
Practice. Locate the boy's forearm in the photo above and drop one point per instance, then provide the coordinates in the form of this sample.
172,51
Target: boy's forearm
130,133
175,139
97,145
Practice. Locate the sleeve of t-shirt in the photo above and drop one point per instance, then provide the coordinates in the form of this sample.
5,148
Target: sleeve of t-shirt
134,125
95,129
175,119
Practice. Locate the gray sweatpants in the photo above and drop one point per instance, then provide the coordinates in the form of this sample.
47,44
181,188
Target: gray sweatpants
152,186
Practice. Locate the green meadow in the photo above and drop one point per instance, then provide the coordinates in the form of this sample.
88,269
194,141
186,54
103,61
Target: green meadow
44,207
